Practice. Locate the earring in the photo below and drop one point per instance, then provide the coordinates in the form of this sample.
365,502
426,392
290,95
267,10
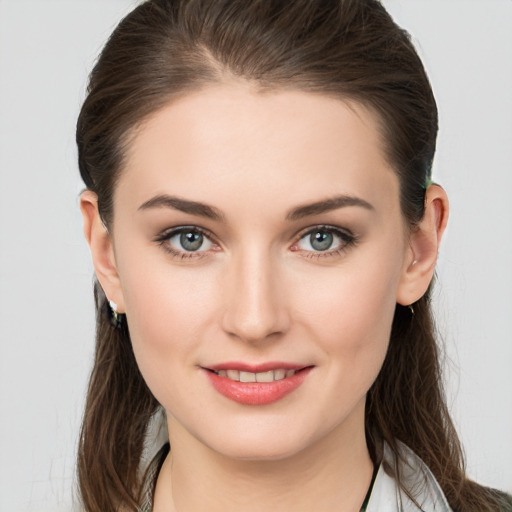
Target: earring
115,316
411,309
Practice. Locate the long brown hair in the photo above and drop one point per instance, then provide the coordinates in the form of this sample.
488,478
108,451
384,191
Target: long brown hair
350,49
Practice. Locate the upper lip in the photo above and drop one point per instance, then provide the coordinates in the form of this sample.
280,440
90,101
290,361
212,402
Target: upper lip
256,368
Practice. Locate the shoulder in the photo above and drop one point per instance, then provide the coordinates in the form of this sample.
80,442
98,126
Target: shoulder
419,490
150,478
507,501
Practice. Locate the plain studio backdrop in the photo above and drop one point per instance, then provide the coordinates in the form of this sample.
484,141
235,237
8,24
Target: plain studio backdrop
47,47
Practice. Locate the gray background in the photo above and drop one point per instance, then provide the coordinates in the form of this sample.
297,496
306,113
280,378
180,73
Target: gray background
46,308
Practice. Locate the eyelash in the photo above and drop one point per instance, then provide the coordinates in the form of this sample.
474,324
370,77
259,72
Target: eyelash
348,240
163,240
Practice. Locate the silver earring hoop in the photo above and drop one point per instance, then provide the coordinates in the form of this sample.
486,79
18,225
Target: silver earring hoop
115,316
411,309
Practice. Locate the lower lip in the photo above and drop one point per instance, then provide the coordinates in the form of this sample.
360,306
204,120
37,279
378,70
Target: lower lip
257,393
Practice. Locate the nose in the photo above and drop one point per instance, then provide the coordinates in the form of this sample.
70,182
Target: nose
255,308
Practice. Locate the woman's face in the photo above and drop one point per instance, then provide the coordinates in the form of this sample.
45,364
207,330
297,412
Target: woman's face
258,236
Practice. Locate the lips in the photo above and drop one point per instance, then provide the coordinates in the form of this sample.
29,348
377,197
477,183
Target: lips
256,385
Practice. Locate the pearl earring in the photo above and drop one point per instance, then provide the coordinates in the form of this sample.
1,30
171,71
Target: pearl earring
115,316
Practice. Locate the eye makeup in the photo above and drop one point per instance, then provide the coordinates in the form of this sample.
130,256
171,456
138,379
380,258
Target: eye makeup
194,242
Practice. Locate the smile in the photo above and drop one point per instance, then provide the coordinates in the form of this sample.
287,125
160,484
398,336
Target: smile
256,387
269,376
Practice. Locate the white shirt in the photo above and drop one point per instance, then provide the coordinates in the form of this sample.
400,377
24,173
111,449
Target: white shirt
387,496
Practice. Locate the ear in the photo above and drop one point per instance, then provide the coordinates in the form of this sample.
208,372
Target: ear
424,243
102,249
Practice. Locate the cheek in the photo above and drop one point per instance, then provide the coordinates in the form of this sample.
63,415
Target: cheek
167,314
350,304
349,312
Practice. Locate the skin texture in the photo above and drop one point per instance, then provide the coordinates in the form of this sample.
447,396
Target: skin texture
258,291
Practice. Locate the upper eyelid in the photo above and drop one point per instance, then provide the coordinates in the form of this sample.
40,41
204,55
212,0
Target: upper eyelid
303,231
326,227
170,232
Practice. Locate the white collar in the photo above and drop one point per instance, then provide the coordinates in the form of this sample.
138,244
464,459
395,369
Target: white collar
387,496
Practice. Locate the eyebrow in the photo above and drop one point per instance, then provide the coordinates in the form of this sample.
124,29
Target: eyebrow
183,205
210,212
326,206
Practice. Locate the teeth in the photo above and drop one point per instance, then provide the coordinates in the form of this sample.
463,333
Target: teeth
269,376
233,374
265,376
279,374
247,377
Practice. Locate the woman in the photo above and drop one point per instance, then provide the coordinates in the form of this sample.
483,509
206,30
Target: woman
264,232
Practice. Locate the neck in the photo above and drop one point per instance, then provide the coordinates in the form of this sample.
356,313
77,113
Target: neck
332,474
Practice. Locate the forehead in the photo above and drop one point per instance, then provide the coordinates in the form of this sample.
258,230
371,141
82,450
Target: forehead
230,143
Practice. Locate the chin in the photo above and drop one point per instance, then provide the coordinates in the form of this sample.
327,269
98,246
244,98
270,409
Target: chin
261,443
259,452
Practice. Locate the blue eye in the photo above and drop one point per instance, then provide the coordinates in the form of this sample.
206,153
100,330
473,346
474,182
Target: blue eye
192,242
325,239
185,241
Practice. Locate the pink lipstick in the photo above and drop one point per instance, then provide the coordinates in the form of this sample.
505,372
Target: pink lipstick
256,384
